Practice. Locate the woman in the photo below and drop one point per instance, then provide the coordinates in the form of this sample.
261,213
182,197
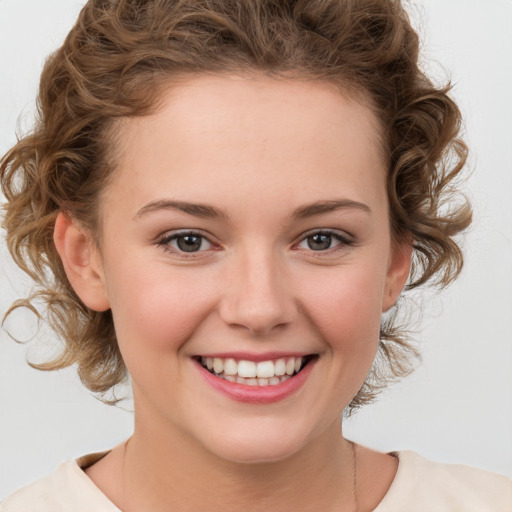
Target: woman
229,196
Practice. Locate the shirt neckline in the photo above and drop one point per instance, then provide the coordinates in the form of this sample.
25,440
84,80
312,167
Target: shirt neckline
80,464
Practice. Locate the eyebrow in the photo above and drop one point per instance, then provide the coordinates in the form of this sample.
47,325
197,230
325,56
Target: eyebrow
207,211
197,209
320,207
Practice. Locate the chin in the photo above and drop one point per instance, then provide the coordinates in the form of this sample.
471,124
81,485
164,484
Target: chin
242,454
258,447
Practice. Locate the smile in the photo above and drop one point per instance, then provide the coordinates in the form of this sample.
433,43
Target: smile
251,373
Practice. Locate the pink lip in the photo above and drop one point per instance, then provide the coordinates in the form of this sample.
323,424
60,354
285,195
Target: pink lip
257,394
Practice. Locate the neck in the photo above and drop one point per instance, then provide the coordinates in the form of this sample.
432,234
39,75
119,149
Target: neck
170,472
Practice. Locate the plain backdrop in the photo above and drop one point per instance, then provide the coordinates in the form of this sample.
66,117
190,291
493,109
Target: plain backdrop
457,407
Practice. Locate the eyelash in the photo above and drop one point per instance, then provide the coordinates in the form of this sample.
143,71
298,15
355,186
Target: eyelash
166,240
345,241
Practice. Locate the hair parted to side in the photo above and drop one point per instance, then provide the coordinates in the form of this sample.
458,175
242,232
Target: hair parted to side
119,56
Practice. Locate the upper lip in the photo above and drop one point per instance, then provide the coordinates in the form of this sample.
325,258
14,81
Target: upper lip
256,357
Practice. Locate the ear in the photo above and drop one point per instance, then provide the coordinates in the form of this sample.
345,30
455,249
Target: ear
82,262
398,272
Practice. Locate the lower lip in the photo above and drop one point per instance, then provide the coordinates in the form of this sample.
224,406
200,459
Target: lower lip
258,394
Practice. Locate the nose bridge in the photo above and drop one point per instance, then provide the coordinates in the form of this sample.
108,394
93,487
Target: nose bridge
257,296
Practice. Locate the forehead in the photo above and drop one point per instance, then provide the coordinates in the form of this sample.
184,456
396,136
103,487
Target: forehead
255,102
219,134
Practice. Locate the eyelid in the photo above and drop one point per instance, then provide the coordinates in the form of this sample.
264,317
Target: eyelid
338,233
170,233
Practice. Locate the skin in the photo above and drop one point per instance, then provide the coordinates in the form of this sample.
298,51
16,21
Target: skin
255,149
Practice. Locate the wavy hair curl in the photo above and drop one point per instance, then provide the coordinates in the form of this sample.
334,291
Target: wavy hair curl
114,63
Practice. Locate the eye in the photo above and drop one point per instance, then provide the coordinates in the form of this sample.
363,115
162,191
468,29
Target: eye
188,242
323,241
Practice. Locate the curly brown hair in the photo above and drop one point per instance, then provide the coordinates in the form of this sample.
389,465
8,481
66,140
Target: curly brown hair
114,63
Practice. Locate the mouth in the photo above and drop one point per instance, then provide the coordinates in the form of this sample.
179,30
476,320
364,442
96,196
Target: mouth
271,372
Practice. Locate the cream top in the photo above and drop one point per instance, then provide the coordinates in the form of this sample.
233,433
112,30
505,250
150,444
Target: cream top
420,485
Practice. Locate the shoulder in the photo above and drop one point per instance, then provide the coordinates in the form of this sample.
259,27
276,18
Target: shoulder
422,485
68,489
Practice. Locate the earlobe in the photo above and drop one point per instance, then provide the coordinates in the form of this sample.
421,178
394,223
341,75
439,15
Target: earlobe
398,272
82,262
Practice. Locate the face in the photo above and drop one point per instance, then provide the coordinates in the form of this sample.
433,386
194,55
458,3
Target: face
246,230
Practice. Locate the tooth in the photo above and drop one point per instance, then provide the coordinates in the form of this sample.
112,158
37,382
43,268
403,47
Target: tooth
231,378
251,382
273,381
290,366
265,369
247,369
284,377
298,363
280,367
240,380
209,363
230,367
218,365
262,382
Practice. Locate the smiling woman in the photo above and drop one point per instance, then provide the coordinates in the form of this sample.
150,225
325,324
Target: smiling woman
240,291
228,196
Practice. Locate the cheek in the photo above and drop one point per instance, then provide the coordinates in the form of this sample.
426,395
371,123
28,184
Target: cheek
157,310
349,315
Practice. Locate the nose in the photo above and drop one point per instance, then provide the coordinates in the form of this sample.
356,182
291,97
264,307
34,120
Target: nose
257,295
